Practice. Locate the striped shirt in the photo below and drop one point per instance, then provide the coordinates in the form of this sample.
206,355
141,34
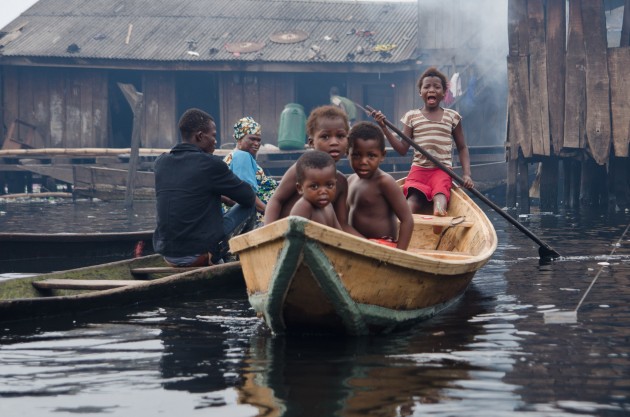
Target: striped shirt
434,137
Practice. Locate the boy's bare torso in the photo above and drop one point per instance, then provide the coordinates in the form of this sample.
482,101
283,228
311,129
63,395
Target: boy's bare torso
370,212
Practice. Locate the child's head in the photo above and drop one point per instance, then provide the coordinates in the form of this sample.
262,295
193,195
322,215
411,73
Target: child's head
432,87
366,148
327,128
366,131
433,72
316,178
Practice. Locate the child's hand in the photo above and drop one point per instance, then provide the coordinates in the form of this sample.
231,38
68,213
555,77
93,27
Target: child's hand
468,182
379,117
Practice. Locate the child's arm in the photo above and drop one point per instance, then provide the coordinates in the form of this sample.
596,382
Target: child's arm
302,208
341,206
464,156
399,146
396,199
286,189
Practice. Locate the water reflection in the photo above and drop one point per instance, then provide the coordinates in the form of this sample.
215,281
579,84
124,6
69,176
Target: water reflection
385,375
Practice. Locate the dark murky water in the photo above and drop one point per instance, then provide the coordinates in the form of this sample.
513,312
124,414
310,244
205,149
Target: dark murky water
490,355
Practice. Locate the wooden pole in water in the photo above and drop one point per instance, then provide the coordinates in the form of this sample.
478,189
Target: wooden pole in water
136,101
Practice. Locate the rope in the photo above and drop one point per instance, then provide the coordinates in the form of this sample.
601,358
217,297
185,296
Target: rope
602,268
454,222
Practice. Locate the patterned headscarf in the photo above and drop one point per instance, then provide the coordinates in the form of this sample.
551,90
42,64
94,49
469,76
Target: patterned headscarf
246,126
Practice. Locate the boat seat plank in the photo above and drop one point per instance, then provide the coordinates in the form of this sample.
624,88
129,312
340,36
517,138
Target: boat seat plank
428,220
442,254
83,284
139,272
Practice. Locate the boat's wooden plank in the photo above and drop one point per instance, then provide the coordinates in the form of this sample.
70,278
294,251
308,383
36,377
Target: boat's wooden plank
428,220
161,270
83,284
441,254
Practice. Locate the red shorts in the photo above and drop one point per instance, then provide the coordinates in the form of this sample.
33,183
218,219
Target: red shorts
387,241
429,181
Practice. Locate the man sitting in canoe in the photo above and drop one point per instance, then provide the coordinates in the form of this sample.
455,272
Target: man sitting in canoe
189,182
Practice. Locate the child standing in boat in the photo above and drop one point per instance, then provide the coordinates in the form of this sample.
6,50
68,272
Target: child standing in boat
434,128
374,198
327,128
317,185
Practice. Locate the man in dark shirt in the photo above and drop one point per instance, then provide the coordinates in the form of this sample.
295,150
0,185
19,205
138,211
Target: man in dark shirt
189,182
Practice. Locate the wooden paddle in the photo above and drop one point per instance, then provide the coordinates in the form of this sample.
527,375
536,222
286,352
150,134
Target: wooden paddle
544,251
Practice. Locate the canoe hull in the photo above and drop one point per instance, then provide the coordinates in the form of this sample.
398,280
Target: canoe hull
306,277
41,252
20,300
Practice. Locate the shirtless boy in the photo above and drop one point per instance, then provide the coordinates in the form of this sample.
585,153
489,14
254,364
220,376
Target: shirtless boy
317,185
375,200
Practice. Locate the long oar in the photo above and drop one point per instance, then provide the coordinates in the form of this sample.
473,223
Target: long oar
544,250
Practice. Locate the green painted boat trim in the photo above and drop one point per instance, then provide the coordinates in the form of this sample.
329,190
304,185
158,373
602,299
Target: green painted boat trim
389,319
288,262
324,273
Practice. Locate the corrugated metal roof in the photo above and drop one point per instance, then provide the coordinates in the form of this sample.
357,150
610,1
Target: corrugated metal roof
201,30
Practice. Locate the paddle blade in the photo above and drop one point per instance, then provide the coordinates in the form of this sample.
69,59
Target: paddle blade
560,317
546,252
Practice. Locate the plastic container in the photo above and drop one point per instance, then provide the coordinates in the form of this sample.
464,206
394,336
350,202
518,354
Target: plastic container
292,129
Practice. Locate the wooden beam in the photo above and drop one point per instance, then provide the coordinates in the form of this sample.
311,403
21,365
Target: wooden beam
625,26
556,41
575,82
83,284
538,95
619,69
598,130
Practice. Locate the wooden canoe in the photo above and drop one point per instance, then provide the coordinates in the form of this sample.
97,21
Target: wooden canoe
108,286
302,276
42,252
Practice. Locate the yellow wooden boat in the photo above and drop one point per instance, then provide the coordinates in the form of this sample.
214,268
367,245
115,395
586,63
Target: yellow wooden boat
305,277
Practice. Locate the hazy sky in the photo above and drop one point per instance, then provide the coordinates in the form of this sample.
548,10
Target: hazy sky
12,9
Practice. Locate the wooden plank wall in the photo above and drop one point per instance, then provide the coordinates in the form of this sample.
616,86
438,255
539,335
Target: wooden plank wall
598,130
259,95
68,106
556,41
563,110
160,119
618,65
575,81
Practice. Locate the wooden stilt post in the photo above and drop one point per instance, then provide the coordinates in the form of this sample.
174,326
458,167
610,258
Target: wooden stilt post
136,101
549,185
523,185
511,187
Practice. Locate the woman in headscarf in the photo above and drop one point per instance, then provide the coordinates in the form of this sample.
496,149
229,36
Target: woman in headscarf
242,161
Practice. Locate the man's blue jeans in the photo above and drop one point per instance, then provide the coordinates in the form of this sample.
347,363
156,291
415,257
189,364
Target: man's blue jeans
237,219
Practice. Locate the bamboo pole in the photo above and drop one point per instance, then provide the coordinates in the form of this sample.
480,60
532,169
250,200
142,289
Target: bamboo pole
78,152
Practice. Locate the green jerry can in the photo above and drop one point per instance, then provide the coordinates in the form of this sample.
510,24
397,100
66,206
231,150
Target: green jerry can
292,130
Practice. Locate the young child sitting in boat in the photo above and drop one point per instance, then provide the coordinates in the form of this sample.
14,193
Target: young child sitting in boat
376,202
327,129
317,185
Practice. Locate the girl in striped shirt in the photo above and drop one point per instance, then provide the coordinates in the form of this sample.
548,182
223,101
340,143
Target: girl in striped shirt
434,128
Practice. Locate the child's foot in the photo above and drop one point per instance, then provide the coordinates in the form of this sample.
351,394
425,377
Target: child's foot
438,212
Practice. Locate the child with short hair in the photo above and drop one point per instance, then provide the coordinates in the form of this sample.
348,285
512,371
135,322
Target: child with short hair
433,128
317,185
327,128
374,197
